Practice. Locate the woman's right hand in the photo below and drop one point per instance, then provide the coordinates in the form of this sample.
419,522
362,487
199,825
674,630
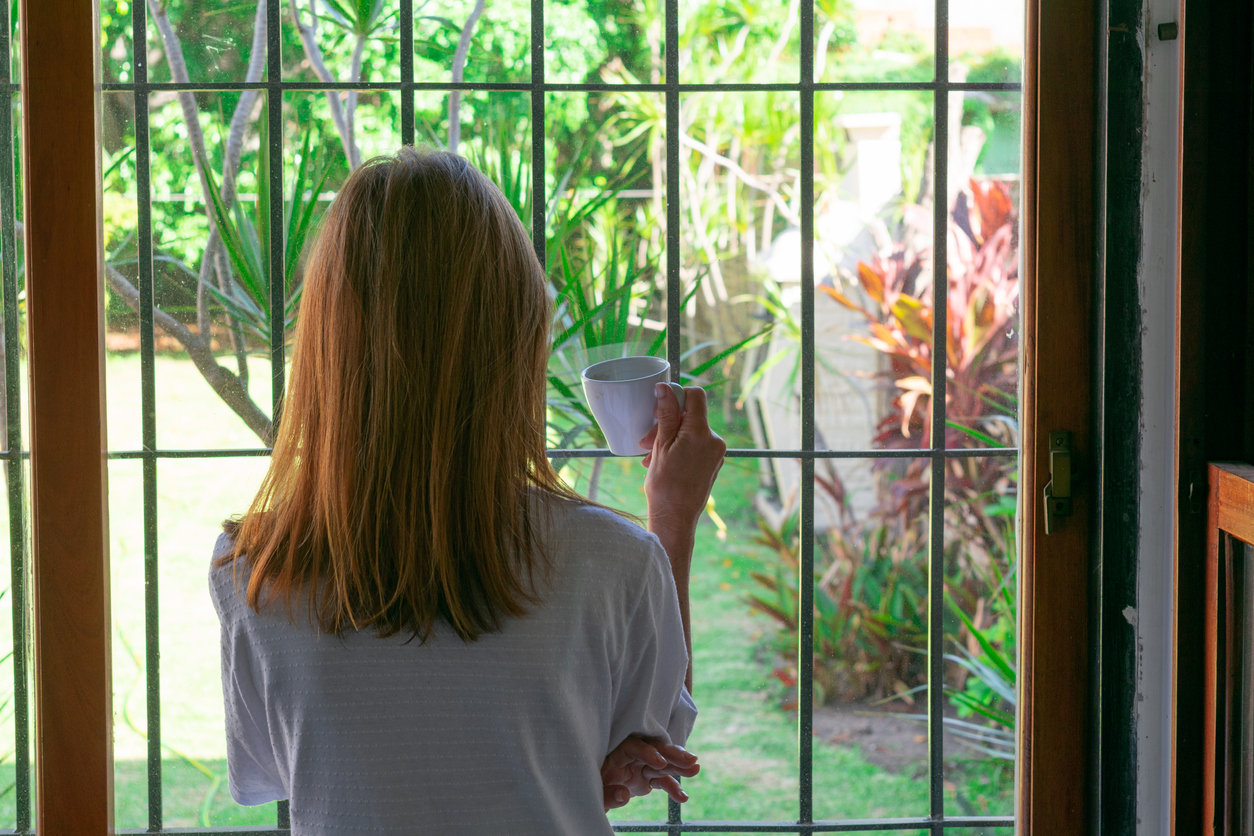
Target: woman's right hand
637,766
684,458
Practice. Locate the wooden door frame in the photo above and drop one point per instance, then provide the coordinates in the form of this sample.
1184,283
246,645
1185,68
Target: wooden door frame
71,609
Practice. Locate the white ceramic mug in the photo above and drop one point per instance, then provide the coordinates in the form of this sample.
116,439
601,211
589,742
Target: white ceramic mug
621,395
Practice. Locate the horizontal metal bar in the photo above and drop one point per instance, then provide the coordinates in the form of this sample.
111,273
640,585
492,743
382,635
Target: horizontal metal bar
189,454
824,826
526,87
958,453
734,453
751,453
259,830
698,826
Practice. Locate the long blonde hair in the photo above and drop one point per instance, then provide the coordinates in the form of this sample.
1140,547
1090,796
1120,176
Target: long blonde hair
413,431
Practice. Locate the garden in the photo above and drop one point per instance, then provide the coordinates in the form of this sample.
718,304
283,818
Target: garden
213,228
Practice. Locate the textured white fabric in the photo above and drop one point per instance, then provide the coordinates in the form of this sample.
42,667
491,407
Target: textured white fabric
502,735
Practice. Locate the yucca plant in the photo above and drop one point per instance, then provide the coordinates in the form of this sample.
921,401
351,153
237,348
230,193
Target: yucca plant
362,18
503,160
605,291
246,236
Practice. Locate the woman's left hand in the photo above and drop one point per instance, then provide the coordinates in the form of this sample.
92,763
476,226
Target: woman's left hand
636,767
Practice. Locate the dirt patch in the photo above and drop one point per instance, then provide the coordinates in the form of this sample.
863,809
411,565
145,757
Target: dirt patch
888,740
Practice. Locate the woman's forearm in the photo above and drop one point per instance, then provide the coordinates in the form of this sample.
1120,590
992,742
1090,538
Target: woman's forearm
678,541
684,458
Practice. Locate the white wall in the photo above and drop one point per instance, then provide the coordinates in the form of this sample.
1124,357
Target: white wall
1153,616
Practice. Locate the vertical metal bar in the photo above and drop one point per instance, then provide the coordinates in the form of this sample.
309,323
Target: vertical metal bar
407,72
278,290
539,200
278,285
15,468
674,290
936,509
805,641
148,415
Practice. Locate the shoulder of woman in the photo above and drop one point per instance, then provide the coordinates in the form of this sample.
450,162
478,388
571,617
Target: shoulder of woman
225,575
593,522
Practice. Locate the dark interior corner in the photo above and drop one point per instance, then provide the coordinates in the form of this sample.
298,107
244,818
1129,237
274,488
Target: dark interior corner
1216,384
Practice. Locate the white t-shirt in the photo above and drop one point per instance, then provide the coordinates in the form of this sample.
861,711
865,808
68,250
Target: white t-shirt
502,735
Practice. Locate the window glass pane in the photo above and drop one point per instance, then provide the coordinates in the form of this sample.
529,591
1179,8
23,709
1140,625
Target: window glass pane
747,734
16,692
605,246
604,41
874,40
130,686
194,497
498,48
981,613
205,40
122,366
745,42
341,40
494,133
8,719
982,394
740,156
116,47
870,627
186,303
344,128
987,37
873,232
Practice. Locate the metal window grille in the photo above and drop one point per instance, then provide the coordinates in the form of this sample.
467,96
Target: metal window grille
940,87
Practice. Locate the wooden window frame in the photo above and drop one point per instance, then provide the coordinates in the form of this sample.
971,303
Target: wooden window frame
1061,143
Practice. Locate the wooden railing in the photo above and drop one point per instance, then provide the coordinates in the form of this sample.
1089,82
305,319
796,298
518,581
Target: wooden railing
1229,737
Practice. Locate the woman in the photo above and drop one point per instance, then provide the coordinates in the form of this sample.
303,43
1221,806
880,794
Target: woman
423,629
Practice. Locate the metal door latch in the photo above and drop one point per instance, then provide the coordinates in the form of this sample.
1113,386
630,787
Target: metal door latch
1058,490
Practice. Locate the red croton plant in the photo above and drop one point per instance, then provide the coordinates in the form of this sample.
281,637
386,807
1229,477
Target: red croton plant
982,350
981,340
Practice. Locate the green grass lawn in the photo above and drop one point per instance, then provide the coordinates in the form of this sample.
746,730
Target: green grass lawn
748,746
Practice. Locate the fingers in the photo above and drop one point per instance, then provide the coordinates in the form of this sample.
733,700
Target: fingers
647,442
676,754
668,414
637,749
671,787
696,406
615,797
674,770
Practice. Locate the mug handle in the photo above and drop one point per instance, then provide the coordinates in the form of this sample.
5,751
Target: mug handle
679,394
